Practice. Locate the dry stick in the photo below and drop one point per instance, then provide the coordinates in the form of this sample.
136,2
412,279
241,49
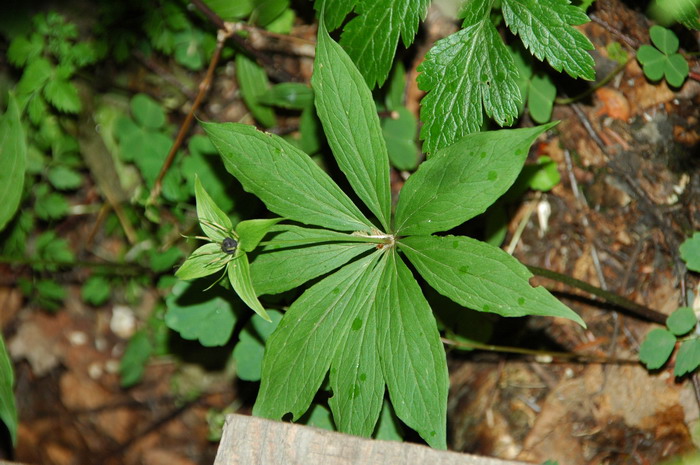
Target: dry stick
184,129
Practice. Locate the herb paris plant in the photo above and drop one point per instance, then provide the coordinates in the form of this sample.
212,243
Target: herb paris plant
367,323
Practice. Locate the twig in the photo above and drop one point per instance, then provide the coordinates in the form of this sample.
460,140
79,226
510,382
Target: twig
184,129
633,43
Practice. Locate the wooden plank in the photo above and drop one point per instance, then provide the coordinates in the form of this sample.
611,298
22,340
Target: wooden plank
257,441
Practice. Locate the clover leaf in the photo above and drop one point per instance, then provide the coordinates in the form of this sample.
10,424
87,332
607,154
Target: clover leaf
663,59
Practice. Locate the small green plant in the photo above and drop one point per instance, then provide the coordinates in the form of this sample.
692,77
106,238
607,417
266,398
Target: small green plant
366,323
681,326
662,60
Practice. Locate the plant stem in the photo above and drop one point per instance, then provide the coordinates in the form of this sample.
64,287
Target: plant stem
639,310
590,90
117,268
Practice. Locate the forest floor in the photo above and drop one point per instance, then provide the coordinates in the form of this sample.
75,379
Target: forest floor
630,188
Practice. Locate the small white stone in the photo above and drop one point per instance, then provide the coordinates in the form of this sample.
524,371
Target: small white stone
123,322
77,338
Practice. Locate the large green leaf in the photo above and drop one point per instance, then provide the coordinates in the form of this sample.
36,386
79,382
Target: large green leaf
462,71
349,116
299,353
251,232
481,277
213,221
335,11
462,180
356,374
285,178
371,37
205,260
411,353
284,264
8,410
545,27
13,158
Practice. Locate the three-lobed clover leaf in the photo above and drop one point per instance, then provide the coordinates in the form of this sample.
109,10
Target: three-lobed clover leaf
660,342
227,248
364,324
663,59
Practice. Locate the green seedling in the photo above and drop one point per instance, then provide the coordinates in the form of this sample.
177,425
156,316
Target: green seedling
662,60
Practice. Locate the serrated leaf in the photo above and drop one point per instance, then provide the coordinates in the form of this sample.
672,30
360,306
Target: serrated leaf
23,49
481,277
8,409
268,167
285,265
64,178
460,73
462,180
541,98
239,276
35,75
545,27
372,36
690,252
346,109
254,84
688,357
251,232
213,221
13,158
133,362
208,316
335,11
63,95
411,353
664,39
681,321
205,260
147,112
356,374
291,95
400,137
250,347
52,206
656,348
299,353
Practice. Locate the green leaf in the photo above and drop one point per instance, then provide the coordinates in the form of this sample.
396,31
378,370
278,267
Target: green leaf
8,410
204,261
96,290
688,357
541,98
136,355
266,11
291,95
371,37
284,265
250,347
677,70
161,261
35,75
254,83
24,50
147,112
51,206
198,315
63,95
543,175
251,232
50,247
189,46
545,27
656,348
481,277
462,71
388,428
228,10
411,353
653,61
213,221
664,39
462,180
64,178
299,353
13,158
681,321
345,107
690,252
356,374
284,178
400,137
335,11
239,276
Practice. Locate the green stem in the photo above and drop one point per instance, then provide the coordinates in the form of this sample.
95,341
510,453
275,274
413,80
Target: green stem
590,90
633,307
536,353
117,268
